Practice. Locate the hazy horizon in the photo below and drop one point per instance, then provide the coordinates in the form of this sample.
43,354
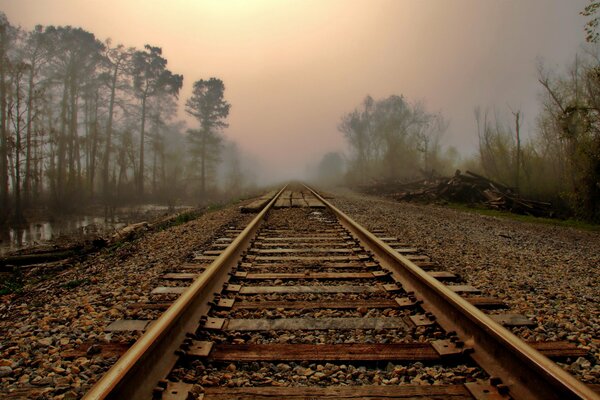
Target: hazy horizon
291,69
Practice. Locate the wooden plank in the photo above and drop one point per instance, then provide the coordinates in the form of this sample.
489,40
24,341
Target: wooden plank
559,349
96,349
355,264
299,232
354,392
413,257
315,324
149,306
299,202
512,320
196,267
304,258
186,276
282,202
204,258
258,204
426,265
486,302
127,325
324,352
443,275
307,238
463,289
554,350
397,244
298,305
283,245
213,252
169,290
255,206
306,250
312,275
309,289
315,203
406,250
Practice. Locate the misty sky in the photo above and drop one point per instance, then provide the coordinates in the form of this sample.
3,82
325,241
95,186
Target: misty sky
292,68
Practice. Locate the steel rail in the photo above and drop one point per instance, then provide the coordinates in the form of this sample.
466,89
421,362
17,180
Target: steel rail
526,372
152,357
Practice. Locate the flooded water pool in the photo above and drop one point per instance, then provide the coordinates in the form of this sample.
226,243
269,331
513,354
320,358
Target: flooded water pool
43,231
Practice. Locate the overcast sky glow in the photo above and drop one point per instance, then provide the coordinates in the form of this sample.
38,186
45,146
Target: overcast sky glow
292,68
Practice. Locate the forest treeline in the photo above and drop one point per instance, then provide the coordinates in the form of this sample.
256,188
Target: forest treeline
392,140
84,121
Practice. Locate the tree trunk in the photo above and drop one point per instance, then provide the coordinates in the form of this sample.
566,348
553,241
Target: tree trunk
74,160
518,166
62,148
28,152
141,167
203,166
106,160
4,204
18,217
94,144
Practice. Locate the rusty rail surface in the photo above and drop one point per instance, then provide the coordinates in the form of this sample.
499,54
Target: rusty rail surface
151,358
523,371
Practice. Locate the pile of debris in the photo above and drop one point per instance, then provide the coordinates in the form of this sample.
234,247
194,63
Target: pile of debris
467,188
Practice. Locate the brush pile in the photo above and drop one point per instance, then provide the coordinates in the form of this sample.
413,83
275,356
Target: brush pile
469,188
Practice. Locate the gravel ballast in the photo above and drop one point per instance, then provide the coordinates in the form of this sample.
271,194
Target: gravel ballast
548,273
75,305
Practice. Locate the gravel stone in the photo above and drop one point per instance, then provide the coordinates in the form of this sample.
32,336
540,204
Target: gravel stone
75,305
548,273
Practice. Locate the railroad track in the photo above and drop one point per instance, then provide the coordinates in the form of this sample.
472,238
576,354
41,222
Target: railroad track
304,303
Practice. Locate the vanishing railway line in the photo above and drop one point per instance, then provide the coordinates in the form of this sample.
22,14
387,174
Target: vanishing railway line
304,303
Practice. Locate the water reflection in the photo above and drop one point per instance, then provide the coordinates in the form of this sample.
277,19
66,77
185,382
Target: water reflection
43,231
13,238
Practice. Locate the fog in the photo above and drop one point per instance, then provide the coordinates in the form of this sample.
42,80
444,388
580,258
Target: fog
293,68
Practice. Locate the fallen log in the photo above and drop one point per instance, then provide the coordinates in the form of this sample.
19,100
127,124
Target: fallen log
37,258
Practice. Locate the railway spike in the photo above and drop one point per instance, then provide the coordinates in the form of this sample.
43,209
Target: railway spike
502,388
495,380
157,393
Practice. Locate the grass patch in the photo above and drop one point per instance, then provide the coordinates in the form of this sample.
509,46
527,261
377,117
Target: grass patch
568,223
179,219
185,217
75,283
115,246
14,284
